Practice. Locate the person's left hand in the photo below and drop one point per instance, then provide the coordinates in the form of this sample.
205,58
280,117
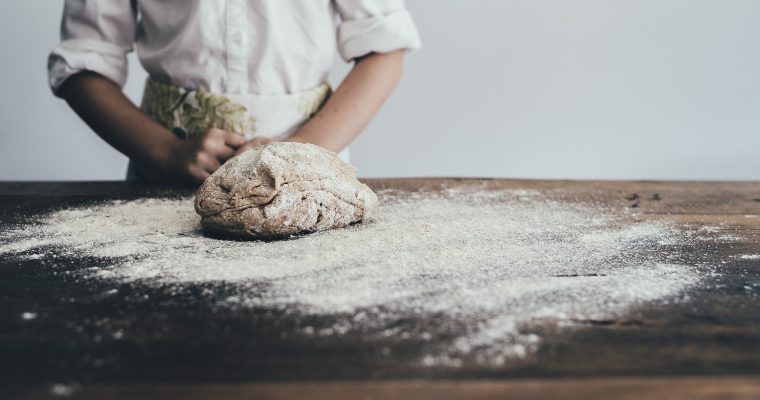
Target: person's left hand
253,143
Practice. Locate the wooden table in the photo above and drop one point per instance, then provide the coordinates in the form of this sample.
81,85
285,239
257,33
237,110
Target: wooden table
704,349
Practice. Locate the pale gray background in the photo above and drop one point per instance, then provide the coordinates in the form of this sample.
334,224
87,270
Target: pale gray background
636,89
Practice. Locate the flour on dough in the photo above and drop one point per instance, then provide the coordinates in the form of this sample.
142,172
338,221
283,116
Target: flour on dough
283,189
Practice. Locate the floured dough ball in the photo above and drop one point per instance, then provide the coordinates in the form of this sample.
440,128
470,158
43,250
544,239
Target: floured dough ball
283,189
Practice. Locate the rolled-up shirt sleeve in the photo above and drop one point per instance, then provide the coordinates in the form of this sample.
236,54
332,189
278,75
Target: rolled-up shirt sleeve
96,36
378,26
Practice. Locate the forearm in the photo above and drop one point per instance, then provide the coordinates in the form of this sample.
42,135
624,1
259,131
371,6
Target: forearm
354,103
105,108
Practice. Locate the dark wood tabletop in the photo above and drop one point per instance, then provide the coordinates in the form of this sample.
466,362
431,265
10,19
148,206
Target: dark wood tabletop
707,348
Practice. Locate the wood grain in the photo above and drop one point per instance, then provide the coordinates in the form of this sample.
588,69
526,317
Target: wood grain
707,348
691,388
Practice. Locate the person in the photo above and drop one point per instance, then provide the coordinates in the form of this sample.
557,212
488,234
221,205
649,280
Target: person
227,75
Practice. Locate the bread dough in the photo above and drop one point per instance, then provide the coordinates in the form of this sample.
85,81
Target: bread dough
283,189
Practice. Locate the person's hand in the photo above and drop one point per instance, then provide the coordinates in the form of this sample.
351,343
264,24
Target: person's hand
197,158
253,143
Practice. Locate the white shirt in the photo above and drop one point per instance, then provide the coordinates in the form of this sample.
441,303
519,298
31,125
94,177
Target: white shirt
227,46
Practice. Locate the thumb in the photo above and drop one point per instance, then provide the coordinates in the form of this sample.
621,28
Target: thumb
233,140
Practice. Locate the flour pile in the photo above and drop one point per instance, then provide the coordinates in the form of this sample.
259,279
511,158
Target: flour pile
485,265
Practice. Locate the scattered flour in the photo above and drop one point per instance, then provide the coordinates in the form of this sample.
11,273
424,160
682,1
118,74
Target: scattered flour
486,265
28,316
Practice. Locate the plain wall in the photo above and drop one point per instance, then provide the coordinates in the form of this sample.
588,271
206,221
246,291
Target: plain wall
600,89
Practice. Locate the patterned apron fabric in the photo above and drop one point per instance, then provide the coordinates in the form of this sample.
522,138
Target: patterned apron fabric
188,113
195,111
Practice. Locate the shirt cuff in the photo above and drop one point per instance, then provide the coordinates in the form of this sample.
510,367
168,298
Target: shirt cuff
380,34
77,55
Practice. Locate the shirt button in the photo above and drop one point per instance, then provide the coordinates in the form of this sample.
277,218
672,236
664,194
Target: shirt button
238,38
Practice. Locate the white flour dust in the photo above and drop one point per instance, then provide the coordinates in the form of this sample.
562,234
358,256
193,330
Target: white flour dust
485,265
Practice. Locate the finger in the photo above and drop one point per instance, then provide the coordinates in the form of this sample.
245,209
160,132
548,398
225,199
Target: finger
206,161
248,146
211,164
252,144
233,140
198,174
260,141
242,149
217,146
211,132
225,153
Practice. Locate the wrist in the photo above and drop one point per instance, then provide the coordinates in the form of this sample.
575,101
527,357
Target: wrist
326,142
161,150
296,137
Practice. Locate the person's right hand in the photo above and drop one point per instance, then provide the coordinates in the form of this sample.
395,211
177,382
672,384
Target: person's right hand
197,158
